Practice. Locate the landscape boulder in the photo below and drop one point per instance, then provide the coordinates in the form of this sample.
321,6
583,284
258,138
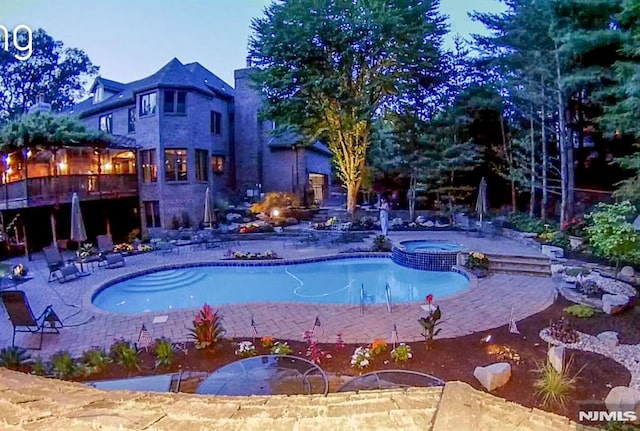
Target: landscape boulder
623,398
552,251
556,357
627,272
493,376
614,304
609,338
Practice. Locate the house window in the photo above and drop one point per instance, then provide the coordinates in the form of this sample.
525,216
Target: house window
98,95
105,123
148,104
131,128
201,165
216,123
175,165
174,102
152,213
149,166
217,164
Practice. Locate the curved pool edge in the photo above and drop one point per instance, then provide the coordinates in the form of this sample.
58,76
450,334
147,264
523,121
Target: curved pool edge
87,300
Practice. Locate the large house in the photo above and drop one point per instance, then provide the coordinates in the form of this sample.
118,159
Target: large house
174,133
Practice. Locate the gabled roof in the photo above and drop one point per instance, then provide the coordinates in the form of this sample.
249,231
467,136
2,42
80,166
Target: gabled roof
174,74
107,84
287,140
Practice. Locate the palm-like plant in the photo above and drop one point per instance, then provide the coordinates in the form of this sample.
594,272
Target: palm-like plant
207,328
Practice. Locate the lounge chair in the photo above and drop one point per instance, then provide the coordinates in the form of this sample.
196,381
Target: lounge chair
23,320
111,259
54,261
70,272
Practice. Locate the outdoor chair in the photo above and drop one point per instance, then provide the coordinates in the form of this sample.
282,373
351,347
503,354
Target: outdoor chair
110,259
54,260
465,223
165,247
70,272
22,317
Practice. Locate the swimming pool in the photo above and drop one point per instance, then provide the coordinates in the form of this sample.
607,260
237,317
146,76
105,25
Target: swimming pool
336,281
429,246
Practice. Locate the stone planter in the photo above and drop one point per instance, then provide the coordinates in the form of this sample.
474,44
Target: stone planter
575,242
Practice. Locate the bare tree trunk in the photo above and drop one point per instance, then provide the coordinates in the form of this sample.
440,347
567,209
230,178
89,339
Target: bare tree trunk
545,168
412,196
562,143
509,157
532,186
352,198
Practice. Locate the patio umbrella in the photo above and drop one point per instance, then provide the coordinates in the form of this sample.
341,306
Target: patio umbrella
209,216
482,205
78,232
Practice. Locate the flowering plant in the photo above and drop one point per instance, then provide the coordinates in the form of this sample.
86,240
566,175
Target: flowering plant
378,346
402,353
331,221
477,260
20,270
575,227
86,250
314,351
124,248
281,349
267,342
340,344
269,254
361,357
142,248
207,327
246,349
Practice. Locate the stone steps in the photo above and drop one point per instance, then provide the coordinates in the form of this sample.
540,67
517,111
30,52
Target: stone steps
539,266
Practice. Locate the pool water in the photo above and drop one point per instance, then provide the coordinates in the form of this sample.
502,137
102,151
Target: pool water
417,246
336,281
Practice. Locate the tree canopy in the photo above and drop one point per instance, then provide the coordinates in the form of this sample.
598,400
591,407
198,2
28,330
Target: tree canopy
53,70
330,67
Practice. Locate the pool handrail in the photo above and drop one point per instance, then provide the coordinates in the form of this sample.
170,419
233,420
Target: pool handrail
362,299
387,289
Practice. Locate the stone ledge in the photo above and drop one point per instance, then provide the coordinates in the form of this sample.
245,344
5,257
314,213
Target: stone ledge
53,404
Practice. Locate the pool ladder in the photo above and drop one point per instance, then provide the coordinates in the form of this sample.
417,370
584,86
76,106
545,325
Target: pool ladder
387,290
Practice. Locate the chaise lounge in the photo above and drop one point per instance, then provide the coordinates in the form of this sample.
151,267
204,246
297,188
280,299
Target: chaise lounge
22,317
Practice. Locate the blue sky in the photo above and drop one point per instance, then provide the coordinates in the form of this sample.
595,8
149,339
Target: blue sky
130,39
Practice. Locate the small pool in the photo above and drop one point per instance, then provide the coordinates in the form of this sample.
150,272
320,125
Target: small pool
430,246
335,281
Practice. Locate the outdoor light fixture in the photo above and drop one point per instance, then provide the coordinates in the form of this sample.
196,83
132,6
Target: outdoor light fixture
487,339
275,213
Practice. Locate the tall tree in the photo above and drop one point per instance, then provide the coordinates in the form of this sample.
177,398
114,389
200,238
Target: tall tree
53,71
330,67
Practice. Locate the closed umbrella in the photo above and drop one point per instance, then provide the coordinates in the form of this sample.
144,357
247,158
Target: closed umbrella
209,216
482,205
78,232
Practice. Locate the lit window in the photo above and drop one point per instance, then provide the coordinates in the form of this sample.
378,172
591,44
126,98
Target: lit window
175,165
149,166
217,164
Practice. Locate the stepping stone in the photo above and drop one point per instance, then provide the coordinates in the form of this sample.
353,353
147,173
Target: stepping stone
623,398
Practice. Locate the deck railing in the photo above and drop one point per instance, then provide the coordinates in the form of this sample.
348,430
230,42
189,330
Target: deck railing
58,190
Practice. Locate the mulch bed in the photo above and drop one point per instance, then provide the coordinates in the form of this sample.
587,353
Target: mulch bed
455,359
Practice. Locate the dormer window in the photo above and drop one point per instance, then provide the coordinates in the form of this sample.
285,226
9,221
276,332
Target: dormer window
98,95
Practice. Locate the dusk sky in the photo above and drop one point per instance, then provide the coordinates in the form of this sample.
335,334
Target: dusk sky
130,39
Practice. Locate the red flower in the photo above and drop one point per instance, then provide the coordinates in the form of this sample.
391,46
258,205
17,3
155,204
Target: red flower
429,298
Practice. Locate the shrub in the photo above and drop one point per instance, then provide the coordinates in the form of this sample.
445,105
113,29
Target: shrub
275,200
381,243
611,235
246,349
95,361
340,344
314,352
554,387
281,349
207,328
477,260
125,354
164,352
563,331
361,357
378,346
267,342
589,288
13,357
580,310
402,353
574,272
40,368
63,365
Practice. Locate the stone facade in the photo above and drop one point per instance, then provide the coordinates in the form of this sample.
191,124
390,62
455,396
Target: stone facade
240,138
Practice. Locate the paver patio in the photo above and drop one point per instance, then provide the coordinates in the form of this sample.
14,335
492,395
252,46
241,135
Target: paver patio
484,306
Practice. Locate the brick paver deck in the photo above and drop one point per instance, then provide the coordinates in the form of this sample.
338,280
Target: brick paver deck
479,308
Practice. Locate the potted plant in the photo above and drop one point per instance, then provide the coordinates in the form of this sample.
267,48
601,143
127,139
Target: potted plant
576,230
